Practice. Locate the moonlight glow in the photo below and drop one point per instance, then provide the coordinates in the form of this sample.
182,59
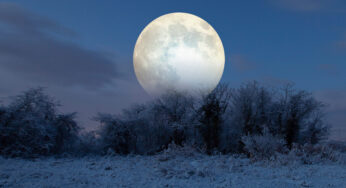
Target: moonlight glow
180,52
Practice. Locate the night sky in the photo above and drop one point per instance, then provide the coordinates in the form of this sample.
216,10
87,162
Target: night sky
82,51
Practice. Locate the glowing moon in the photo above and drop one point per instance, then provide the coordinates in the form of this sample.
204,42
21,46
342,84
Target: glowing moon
181,52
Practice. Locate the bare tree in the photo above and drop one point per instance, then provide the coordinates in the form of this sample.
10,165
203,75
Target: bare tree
210,115
301,112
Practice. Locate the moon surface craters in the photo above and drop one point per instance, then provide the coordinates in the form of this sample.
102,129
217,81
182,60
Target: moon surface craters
181,52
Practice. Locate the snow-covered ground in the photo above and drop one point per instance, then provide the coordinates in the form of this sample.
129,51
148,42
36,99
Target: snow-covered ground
166,170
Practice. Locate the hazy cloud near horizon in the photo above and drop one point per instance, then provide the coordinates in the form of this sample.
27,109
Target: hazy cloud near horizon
242,63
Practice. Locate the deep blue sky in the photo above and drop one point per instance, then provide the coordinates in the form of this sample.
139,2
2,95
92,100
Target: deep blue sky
272,41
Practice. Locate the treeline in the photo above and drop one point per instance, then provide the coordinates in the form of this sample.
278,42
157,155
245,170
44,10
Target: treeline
250,119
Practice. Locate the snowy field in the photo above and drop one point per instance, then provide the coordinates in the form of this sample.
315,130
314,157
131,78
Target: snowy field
166,170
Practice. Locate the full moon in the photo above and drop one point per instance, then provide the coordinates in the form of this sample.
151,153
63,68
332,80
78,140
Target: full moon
178,52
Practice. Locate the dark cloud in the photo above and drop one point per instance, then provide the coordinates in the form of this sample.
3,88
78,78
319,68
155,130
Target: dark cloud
311,5
36,48
28,22
338,46
273,81
328,68
341,44
241,63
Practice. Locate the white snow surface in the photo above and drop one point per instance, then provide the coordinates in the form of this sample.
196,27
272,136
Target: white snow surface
166,170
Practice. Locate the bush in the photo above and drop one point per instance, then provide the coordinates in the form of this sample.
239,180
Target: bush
263,146
312,154
337,146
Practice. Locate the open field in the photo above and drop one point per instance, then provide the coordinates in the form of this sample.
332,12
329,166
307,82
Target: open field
166,171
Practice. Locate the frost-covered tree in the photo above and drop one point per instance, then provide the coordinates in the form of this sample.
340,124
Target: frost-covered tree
31,126
251,107
295,116
177,111
299,117
148,128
